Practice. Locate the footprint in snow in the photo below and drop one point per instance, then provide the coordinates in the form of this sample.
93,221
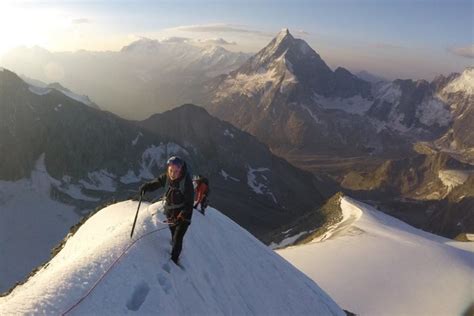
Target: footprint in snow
167,267
164,283
138,296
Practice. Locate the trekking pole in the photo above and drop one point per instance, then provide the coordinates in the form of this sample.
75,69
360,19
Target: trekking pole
136,215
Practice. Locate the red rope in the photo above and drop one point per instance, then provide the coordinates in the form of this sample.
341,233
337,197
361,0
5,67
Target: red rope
107,271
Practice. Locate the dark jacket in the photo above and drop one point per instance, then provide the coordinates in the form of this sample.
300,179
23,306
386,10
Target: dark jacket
174,196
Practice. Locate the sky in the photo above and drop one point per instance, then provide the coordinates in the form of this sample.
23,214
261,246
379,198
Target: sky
393,38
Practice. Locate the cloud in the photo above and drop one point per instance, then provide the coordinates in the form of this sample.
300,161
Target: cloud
81,21
175,39
466,51
217,41
302,32
219,28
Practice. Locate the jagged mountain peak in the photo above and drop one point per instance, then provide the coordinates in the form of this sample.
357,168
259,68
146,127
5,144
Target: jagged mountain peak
282,35
284,44
285,57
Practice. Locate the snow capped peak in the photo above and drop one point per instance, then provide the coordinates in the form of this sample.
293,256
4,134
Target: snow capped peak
463,83
282,34
101,270
283,47
142,45
214,50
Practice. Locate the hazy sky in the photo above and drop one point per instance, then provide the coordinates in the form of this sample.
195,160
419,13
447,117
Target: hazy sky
394,38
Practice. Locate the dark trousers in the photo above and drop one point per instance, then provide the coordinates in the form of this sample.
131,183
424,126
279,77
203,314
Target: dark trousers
177,235
203,205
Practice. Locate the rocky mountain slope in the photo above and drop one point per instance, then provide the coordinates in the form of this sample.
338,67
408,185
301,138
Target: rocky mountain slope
431,191
291,100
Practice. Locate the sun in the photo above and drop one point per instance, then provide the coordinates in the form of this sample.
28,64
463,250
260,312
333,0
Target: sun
28,26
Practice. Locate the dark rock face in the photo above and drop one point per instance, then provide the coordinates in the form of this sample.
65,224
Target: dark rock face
347,85
66,130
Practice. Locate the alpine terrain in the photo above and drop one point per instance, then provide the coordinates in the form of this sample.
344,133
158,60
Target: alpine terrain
62,159
404,145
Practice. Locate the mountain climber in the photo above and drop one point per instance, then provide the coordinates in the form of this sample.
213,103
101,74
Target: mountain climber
201,192
179,198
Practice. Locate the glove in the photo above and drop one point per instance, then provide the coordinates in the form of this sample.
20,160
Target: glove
180,217
144,187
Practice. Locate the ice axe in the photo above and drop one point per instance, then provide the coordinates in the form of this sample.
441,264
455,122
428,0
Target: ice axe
136,215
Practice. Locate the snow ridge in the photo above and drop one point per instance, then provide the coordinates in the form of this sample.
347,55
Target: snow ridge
233,275
394,261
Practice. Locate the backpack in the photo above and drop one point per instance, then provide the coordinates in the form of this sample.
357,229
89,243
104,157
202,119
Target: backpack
206,182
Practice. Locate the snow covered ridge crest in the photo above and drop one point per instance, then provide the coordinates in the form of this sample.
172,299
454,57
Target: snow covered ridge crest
232,275
409,271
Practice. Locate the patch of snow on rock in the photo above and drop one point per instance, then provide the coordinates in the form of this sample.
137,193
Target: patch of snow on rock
315,118
389,92
153,157
258,182
226,176
228,133
79,98
38,90
355,104
101,180
135,141
433,111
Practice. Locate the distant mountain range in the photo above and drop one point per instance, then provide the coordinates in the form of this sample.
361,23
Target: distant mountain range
143,78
